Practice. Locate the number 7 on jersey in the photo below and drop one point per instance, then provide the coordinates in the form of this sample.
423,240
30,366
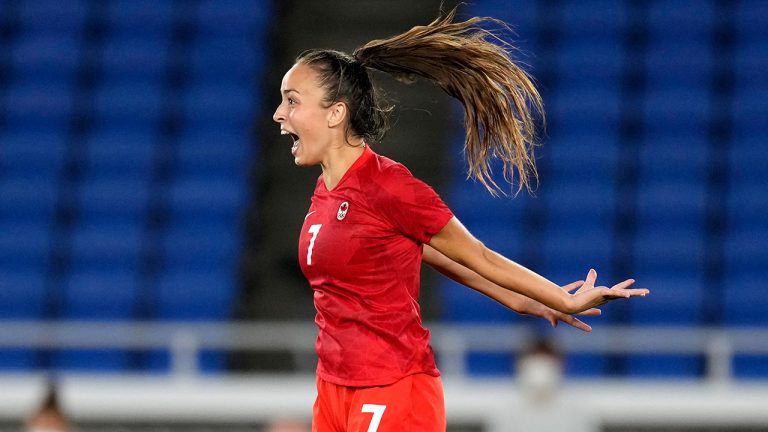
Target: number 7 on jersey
314,230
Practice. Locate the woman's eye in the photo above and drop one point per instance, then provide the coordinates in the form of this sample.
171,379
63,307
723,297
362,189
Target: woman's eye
291,101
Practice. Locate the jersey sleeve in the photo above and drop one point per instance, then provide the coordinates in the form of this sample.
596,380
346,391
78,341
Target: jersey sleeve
410,205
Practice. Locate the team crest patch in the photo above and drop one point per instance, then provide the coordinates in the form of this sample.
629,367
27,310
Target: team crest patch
342,213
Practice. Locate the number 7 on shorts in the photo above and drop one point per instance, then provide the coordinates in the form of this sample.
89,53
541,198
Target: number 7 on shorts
378,412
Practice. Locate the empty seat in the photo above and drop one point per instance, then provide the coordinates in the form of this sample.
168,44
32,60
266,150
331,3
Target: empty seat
137,58
29,153
22,295
677,296
129,103
24,245
232,16
676,366
107,246
28,199
47,57
590,61
745,298
114,199
679,63
601,17
676,18
206,197
196,295
33,104
213,245
121,152
48,16
225,58
750,58
598,106
225,104
214,153
677,108
140,15
674,157
465,305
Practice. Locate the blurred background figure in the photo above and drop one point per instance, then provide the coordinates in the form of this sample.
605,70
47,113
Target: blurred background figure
287,426
540,371
49,416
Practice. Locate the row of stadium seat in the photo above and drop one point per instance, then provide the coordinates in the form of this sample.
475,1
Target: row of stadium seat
124,163
632,165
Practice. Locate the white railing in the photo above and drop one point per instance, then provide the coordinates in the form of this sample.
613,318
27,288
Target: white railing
185,340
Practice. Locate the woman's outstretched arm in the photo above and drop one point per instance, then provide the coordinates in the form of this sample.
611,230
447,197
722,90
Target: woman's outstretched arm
512,300
456,243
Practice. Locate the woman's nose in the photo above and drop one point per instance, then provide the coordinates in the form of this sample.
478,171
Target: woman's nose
278,116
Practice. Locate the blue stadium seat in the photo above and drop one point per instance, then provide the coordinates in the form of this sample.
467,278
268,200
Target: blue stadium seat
677,296
22,293
750,16
749,107
745,298
28,199
121,152
747,205
33,153
129,103
750,367
668,366
604,18
664,157
98,295
676,18
750,58
196,295
663,204
676,108
132,15
47,57
570,253
460,304
214,153
596,106
223,104
592,61
24,245
211,198
583,154
107,246
232,16
225,58
22,296
670,249
212,245
680,63
50,16
33,104
136,58
116,199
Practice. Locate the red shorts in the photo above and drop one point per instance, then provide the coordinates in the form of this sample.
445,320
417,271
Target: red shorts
413,404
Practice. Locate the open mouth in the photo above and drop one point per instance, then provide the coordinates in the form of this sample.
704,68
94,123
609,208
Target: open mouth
294,138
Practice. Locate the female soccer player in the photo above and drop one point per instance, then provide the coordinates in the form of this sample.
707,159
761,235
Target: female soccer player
371,223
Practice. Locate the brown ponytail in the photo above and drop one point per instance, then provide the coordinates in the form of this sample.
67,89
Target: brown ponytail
500,101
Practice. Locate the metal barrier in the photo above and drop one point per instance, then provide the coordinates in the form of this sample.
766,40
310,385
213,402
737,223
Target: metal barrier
184,340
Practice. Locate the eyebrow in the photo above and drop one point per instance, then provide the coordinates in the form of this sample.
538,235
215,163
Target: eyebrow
286,91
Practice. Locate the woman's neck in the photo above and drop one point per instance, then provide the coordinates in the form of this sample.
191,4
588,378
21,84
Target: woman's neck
338,161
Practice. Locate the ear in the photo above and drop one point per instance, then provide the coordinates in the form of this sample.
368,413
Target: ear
337,114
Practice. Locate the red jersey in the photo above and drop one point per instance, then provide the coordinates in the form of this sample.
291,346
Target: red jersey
361,248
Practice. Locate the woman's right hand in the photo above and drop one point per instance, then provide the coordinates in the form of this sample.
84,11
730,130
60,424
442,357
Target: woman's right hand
589,296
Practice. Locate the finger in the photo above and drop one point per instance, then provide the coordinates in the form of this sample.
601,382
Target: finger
591,277
591,312
573,285
625,284
579,324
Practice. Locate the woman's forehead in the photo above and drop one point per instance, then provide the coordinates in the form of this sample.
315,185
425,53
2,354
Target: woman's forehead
301,79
